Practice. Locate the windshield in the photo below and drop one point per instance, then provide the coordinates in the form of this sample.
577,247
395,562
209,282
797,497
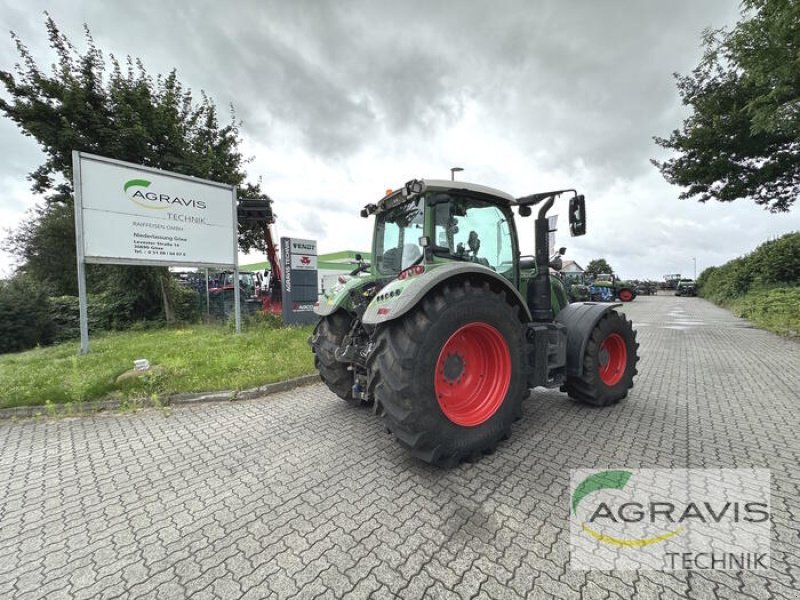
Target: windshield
397,233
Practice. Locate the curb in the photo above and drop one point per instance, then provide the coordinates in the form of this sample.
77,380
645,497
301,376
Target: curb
86,408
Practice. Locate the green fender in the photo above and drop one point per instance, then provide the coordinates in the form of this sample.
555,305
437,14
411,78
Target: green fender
340,298
401,295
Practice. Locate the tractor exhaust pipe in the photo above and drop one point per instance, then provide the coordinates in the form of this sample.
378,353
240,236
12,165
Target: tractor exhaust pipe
542,309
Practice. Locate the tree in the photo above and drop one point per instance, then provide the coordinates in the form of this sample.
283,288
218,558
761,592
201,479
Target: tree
25,315
742,139
45,243
122,113
599,265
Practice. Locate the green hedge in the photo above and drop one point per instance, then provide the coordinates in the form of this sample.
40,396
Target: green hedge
28,318
25,316
774,264
776,309
763,286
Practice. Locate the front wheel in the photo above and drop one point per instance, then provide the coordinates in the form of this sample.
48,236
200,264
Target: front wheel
449,377
609,363
327,338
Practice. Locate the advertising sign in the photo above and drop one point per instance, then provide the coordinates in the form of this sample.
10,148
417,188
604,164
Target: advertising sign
299,280
136,215
128,214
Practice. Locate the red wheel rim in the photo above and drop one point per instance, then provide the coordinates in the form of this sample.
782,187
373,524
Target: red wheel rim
613,359
626,295
473,373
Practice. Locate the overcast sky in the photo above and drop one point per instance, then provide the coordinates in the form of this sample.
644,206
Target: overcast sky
342,99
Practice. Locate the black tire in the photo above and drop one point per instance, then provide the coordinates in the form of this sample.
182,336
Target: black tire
590,388
403,369
327,337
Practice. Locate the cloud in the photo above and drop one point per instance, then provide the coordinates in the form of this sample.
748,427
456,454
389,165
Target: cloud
341,100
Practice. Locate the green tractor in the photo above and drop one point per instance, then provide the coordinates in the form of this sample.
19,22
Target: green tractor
578,290
686,287
616,288
450,327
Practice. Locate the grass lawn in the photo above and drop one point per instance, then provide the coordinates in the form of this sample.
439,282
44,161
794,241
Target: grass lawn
197,358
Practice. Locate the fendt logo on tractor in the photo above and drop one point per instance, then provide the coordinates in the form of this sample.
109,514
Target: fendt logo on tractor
449,328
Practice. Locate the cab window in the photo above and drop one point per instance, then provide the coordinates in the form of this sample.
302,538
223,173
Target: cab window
476,231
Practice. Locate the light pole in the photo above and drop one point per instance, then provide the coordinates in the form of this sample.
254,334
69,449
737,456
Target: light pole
694,259
453,171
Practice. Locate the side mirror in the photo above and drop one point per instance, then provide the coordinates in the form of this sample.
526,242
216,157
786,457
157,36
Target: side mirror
413,188
359,258
577,215
562,251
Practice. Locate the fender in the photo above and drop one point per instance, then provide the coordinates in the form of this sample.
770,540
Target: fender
580,318
401,295
339,297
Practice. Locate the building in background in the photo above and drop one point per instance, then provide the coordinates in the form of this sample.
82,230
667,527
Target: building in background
570,266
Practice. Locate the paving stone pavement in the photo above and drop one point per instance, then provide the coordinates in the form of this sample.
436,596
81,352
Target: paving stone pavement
300,496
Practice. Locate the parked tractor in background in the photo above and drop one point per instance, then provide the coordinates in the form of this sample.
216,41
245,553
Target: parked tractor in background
686,287
449,328
576,286
670,282
608,287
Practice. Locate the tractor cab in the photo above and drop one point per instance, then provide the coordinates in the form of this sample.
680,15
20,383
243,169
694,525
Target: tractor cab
430,223
438,222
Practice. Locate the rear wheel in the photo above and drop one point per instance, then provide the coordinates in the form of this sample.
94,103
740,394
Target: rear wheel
449,376
609,363
327,337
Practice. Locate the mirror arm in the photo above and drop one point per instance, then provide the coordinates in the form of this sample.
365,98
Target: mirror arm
546,206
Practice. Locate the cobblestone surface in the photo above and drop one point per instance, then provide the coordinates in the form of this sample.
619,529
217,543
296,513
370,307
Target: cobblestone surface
300,495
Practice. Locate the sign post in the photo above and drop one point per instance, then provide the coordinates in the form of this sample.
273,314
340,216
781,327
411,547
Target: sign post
128,214
299,280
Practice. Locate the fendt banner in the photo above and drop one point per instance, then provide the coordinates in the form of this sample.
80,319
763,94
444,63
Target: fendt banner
300,280
128,214
135,215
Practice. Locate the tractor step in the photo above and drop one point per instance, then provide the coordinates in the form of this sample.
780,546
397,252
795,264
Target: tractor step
547,354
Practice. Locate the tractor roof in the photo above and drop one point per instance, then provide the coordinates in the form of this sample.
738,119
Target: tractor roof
445,185
398,196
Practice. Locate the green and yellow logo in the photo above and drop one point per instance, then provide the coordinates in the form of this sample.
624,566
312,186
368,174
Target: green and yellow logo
629,512
138,192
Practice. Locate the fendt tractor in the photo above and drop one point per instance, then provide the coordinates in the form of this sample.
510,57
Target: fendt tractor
608,285
450,327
